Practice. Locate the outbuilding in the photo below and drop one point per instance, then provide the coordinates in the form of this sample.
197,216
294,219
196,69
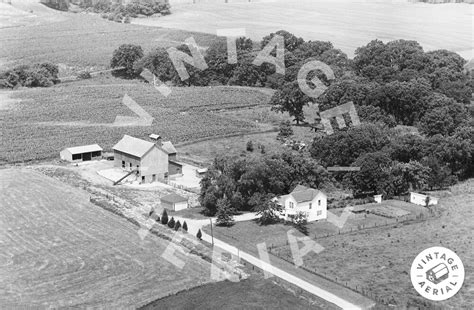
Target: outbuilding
81,153
174,202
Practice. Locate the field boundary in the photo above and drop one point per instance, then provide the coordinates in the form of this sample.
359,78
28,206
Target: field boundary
232,135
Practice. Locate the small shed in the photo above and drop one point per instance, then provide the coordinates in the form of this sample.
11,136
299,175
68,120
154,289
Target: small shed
378,198
420,199
174,202
81,153
201,172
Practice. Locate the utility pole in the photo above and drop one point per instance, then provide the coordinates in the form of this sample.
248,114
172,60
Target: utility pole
212,233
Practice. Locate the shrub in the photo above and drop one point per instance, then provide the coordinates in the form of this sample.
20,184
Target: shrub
171,223
177,226
199,234
164,217
185,226
127,20
285,131
83,75
250,146
126,56
37,75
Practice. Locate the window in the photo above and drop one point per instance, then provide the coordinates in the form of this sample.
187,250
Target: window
319,213
153,177
319,202
291,205
96,154
76,156
130,165
123,163
310,205
143,179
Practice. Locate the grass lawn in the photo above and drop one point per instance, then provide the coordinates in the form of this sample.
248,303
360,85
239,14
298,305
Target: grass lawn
58,250
41,122
252,293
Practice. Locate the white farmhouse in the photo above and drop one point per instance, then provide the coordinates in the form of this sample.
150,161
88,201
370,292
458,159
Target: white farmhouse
309,201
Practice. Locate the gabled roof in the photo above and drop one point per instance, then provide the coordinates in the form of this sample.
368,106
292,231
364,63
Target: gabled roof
84,149
154,136
168,147
133,146
174,198
302,193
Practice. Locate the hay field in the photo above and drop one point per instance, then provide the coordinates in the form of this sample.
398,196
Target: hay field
73,41
38,123
58,250
347,23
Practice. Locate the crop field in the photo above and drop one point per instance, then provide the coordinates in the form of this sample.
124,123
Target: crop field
57,250
79,41
348,24
38,123
379,259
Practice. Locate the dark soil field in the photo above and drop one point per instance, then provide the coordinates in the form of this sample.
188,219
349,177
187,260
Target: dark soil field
58,250
252,293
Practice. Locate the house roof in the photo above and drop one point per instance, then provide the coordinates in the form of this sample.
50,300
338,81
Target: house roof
173,198
302,193
133,146
168,147
84,149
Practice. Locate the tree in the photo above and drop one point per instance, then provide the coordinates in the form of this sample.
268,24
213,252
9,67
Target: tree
285,131
126,56
290,99
177,226
267,209
344,146
164,217
199,234
440,175
373,175
412,176
185,226
224,213
171,223
443,120
291,41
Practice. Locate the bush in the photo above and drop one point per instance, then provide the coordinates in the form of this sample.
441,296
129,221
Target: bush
250,146
37,75
171,223
126,56
83,75
177,226
199,234
185,226
164,217
127,19
285,131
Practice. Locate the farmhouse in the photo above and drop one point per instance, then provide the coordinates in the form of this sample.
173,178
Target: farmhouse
81,153
420,199
174,202
309,201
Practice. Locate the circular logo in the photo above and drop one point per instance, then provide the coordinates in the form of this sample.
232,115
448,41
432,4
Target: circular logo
437,273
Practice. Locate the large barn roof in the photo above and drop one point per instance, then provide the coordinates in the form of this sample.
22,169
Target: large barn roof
84,149
133,146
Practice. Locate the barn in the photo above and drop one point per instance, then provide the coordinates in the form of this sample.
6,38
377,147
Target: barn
174,202
149,160
81,153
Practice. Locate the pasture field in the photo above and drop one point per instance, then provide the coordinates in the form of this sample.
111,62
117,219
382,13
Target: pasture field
58,250
38,123
379,259
348,24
